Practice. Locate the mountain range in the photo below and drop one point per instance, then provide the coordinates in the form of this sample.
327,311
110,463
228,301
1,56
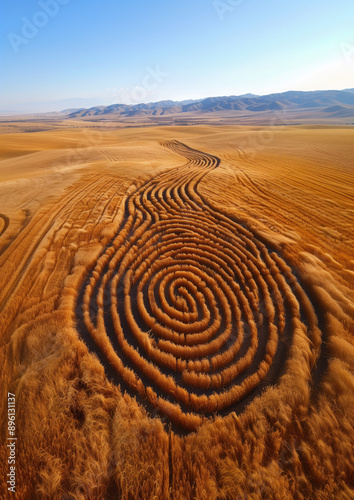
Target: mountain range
321,104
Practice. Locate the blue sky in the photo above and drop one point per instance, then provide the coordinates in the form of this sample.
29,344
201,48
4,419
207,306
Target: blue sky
107,51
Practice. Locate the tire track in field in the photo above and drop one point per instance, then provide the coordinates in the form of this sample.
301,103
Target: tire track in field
21,254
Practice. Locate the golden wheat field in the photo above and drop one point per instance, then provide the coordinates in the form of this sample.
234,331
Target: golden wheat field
177,311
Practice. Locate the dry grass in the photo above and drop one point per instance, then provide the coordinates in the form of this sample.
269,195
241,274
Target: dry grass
177,312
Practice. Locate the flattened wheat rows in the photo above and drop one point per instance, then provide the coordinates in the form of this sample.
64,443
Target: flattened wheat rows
188,305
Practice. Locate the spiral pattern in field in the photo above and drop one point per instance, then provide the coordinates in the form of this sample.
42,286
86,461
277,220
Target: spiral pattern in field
187,304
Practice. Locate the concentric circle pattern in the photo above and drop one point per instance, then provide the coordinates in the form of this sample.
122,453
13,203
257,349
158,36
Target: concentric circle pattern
188,305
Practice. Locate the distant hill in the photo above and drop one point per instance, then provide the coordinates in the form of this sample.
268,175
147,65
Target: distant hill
302,105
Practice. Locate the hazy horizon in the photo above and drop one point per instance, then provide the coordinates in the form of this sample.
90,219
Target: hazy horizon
77,103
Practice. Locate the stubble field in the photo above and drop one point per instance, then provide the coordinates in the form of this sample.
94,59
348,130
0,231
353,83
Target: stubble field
177,311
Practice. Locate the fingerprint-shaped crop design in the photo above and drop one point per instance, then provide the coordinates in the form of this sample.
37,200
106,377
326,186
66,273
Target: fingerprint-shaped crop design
188,306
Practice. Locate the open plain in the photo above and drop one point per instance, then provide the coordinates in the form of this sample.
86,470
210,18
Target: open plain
177,310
